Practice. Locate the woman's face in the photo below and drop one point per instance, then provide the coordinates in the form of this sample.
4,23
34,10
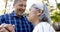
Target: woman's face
32,13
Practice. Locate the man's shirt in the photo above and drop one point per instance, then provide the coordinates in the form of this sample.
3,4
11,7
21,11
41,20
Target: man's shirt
21,24
43,27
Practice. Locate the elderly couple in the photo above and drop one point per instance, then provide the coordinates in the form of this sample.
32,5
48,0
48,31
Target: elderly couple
17,21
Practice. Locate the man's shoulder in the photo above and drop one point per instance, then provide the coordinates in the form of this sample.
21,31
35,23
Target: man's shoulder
4,16
7,14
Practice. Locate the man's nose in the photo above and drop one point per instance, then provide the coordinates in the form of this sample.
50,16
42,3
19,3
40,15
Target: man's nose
23,7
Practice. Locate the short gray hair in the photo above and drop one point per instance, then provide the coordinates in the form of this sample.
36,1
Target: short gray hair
15,1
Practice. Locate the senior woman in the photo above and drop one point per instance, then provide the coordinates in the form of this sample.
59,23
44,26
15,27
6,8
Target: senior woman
38,17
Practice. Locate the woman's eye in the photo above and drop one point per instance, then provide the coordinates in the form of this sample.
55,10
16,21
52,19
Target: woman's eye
36,8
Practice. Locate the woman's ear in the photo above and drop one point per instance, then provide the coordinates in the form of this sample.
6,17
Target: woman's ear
39,12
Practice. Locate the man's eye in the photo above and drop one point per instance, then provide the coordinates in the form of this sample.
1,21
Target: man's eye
25,0
20,5
24,5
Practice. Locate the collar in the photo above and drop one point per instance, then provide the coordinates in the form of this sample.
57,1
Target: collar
13,14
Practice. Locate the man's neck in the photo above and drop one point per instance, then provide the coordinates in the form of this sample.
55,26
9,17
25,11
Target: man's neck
20,16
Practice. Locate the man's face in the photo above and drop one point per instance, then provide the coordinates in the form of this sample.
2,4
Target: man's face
20,7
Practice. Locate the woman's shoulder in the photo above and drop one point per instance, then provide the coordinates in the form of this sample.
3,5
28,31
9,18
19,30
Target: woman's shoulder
43,24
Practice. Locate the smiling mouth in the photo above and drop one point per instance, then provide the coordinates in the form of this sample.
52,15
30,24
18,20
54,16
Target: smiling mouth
21,9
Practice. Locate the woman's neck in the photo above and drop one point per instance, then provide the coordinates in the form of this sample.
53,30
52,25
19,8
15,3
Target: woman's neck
35,21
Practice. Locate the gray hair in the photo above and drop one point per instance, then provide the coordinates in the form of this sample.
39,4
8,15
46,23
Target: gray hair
45,15
15,1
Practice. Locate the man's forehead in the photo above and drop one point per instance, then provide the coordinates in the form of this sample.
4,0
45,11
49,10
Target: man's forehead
22,0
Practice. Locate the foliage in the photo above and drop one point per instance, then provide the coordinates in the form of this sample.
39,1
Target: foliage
56,17
4,0
58,5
